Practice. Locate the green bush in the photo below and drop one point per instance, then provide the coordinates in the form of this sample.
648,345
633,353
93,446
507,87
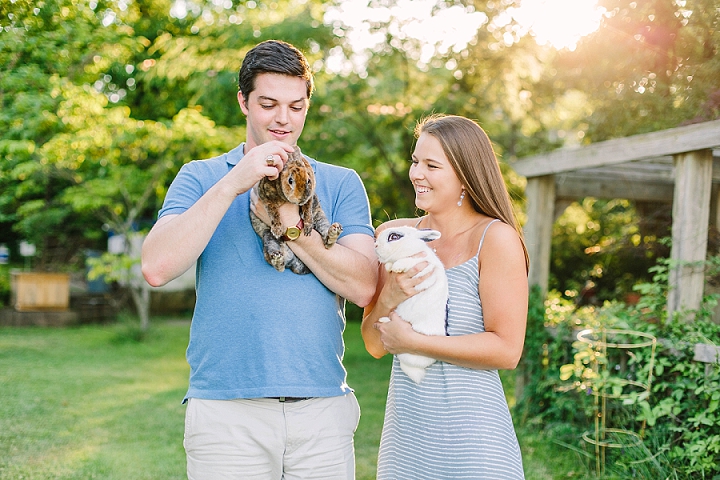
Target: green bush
548,344
4,285
678,420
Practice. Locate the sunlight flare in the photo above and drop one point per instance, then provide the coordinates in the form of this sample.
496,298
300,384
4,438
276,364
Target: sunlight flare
560,23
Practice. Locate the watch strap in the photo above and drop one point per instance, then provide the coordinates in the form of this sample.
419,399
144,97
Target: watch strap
292,233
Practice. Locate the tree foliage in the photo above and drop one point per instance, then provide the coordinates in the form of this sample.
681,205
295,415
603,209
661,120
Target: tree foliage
651,65
39,45
101,102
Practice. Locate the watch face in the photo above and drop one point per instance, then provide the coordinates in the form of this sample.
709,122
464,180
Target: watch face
292,233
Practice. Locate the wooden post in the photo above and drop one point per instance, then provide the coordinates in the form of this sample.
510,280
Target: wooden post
540,193
714,221
691,212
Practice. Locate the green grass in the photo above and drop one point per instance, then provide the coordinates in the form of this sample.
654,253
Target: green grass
369,378
92,402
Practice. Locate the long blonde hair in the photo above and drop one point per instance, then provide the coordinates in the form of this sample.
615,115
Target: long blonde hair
471,155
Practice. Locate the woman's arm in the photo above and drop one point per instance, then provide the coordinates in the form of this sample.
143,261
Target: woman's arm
371,314
391,290
503,292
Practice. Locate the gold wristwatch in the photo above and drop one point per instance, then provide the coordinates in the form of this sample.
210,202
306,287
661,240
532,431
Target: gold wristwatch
292,233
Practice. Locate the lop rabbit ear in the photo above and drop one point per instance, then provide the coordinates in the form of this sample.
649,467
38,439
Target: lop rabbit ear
429,235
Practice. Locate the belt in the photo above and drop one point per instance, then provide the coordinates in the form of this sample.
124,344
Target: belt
290,399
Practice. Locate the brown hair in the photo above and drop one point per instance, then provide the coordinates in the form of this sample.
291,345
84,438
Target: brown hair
471,155
273,56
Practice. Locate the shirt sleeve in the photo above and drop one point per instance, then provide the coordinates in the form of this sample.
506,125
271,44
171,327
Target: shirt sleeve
184,191
352,208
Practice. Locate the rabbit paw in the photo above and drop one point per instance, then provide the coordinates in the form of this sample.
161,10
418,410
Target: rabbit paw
277,260
333,233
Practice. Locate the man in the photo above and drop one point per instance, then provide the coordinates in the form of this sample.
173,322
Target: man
268,397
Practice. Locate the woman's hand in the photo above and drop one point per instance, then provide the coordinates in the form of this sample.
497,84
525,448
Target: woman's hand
399,287
396,334
393,289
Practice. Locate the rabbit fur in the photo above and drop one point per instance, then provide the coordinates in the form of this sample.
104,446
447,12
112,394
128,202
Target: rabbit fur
295,184
426,311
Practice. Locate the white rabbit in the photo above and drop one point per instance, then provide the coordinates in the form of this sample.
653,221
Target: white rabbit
426,311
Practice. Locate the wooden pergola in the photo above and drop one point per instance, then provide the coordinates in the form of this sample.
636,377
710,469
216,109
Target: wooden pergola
679,167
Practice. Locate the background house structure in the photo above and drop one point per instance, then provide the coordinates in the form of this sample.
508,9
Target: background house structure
679,167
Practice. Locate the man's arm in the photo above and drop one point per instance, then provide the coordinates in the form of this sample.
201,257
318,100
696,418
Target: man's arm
348,268
176,241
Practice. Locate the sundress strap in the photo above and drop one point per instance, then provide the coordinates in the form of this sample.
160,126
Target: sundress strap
482,239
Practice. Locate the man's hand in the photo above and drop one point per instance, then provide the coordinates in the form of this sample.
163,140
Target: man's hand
266,160
289,212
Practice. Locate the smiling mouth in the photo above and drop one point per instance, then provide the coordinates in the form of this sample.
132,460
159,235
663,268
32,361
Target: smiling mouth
421,189
280,132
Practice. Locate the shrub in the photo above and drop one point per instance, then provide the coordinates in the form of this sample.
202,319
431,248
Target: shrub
4,285
678,420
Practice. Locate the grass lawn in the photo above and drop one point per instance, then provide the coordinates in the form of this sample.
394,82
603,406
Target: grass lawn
91,402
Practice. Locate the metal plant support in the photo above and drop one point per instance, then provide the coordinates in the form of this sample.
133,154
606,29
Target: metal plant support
601,341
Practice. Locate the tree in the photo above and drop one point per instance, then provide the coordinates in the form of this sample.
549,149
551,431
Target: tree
39,42
650,66
366,117
117,168
99,144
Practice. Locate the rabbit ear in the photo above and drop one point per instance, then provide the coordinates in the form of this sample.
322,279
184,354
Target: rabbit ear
429,235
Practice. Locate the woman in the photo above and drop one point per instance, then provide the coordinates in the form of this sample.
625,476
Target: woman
456,422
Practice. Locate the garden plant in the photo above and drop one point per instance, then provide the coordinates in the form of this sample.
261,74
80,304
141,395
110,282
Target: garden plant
677,420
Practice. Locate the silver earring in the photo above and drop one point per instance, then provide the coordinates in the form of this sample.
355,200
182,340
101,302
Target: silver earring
462,197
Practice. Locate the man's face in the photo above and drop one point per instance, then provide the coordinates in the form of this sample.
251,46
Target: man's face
275,110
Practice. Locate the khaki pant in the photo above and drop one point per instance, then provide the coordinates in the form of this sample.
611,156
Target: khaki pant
266,439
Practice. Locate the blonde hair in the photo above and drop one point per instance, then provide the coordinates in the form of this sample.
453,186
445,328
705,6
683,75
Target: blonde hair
471,155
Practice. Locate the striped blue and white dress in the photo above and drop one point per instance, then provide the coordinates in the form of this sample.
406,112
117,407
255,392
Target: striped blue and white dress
456,423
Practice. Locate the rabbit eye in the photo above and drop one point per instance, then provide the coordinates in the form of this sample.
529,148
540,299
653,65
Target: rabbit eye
394,236
291,181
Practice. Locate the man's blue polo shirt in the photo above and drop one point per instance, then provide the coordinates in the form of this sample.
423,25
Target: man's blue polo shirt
257,332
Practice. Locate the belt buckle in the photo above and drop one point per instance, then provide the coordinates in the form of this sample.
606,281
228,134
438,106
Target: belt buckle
291,399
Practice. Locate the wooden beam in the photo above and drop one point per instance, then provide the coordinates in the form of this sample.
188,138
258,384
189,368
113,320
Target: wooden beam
599,187
621,150
690,215
540,194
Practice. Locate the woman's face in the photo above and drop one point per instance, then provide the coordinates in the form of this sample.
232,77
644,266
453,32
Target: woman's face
437,187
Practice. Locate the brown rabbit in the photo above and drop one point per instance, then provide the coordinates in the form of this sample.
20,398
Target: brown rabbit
295,184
